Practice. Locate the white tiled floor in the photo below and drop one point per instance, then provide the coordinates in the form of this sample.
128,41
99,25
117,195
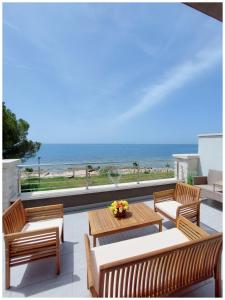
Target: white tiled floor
38,279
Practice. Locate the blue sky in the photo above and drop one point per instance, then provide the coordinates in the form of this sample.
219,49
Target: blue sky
113,73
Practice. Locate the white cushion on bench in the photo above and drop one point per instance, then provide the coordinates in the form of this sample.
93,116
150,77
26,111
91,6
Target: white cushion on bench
169,207
44,224
133,247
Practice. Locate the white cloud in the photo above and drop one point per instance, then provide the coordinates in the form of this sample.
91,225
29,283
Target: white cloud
10,25
174,79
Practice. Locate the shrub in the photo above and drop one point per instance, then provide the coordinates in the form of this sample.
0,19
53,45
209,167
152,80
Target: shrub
30,170
29,186
104,170
135,164
190,177
109,170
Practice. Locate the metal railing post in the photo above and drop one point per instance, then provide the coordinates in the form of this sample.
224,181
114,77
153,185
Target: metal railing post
87,178
138,173
178,168
19,181
39,169
117,177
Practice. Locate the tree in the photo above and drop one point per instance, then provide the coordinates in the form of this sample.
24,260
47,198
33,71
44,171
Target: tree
15,142
167,166
135,166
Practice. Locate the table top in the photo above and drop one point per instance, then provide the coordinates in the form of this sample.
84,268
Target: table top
102,221
219,183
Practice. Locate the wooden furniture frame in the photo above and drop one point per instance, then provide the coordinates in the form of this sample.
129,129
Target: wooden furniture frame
163,272
185,194
103,223
23,247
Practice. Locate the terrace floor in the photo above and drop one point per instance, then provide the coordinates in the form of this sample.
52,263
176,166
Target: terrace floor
37,279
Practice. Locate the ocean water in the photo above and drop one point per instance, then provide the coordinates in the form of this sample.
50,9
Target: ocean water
99,153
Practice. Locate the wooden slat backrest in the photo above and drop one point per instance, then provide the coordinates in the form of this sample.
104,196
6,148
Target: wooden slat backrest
43,212
14,218
162,272
186,193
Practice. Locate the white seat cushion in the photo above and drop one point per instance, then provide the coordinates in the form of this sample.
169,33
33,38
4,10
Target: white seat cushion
43,224
133,247
208,192
169,207
210,188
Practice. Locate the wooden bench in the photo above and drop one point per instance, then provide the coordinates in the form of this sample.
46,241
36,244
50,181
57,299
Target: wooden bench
31,234
131,269
181,201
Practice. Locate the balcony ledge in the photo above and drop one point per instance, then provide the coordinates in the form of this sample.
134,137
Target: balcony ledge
186,156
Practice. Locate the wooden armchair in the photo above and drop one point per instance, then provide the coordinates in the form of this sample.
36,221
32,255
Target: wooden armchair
181,201
31,234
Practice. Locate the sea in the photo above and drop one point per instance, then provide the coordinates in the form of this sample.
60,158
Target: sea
105,153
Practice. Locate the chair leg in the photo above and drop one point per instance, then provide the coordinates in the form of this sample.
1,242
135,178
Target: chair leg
7,275
58,261
198,222
217,276
62,236
198,216
218,288
87,282
7,266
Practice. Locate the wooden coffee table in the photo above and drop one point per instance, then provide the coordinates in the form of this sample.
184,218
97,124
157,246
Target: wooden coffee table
103,223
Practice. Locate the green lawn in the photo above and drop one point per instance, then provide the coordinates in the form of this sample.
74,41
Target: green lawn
33,184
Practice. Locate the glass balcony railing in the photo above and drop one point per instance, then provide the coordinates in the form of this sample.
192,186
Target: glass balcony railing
43,177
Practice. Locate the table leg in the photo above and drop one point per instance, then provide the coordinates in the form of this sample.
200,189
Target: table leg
160,226
89,228
94,241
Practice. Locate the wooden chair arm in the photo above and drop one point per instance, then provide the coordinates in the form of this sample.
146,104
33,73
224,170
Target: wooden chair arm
198,180
163,195
33,234
44,212
22,247
188,210
192,204
191,230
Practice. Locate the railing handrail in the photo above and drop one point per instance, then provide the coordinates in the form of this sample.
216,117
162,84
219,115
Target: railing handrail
93,163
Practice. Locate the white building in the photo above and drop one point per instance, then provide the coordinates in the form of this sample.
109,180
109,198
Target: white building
209,156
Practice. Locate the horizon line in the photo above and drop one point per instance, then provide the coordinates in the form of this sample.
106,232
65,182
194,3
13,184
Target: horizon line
58,143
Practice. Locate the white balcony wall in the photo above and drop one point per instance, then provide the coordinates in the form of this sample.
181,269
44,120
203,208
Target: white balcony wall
10,182
186,164
209,156
210,148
